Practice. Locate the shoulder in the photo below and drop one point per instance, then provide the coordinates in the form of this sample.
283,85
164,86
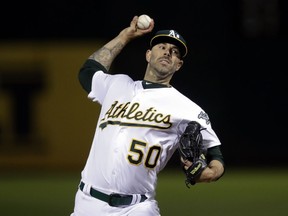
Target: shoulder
190,110
112,77
183,99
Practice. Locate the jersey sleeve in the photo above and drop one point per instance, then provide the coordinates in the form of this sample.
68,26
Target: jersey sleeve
210,139
193,112
103,84
99,86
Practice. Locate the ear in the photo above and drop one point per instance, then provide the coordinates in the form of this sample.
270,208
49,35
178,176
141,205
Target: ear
148,55
179,65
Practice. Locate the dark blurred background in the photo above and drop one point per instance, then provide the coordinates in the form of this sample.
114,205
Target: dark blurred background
235,70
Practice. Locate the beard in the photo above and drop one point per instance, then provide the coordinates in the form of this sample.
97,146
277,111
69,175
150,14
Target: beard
163,71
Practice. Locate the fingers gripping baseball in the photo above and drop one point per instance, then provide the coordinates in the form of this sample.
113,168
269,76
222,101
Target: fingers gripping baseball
134,31
144,21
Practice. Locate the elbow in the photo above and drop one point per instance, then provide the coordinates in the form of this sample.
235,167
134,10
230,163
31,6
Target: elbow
209,176
212,173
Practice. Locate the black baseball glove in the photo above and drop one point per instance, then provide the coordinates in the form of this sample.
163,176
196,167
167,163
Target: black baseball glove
191,148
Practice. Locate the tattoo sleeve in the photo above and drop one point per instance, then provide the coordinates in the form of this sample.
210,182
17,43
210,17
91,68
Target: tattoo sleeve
107,53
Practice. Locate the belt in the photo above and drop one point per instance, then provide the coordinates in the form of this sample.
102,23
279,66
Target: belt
114,199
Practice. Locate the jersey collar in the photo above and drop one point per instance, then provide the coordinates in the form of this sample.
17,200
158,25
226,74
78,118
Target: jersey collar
148,85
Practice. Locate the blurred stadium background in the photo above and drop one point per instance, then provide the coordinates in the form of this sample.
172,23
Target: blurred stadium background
235,67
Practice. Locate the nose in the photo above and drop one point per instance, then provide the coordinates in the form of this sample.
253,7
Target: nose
168,52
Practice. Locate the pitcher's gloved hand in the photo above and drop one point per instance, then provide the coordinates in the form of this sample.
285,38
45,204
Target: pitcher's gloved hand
191,148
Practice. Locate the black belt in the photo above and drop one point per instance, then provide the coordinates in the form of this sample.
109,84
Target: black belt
116,200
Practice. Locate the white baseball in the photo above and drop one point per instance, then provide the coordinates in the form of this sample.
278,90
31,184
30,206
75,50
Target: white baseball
143,21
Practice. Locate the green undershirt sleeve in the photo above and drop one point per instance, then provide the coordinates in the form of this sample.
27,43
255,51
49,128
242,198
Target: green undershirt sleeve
85,75
215,153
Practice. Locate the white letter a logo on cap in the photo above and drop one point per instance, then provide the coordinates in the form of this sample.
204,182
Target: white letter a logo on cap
173,34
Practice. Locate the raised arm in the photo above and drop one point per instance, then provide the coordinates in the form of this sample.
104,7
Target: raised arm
103,58
109,51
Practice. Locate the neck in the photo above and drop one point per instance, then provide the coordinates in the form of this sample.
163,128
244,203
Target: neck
151,77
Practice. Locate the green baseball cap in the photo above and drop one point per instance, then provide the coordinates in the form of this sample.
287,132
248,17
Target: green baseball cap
170,36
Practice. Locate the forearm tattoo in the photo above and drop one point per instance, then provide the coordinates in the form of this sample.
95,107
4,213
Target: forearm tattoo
105,56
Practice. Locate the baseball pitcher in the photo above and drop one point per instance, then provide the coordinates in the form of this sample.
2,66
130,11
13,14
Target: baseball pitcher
141,125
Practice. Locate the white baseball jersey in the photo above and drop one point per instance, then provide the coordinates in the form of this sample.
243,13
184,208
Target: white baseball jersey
137,133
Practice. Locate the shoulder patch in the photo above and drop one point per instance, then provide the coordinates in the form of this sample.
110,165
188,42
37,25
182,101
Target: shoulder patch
203,115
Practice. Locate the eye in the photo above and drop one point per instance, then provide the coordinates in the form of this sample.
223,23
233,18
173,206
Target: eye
176,52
